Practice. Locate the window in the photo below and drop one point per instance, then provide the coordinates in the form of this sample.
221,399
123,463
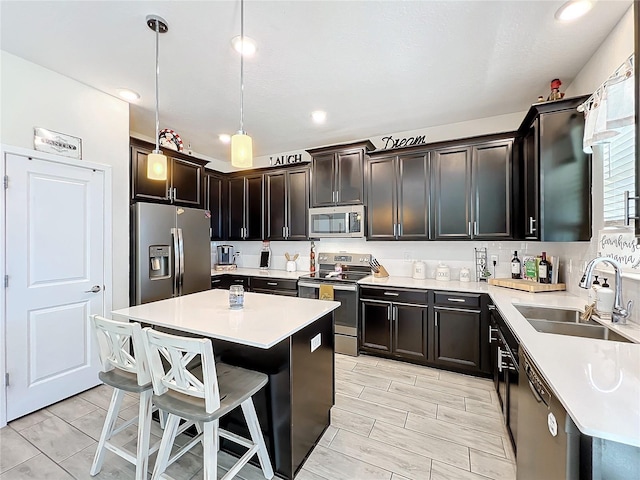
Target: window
619,176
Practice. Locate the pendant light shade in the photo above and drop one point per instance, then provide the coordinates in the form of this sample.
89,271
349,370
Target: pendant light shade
156,161
241,143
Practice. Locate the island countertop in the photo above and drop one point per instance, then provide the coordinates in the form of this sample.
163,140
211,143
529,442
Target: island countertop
264,321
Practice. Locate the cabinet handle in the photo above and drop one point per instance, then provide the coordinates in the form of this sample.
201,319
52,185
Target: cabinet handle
399,230
475,228
459,300
273,284
491,307
491,332
288,233
175,193
215,281
394,229
627,200
391,294
531,227
284,232
337,195
469,229
436,321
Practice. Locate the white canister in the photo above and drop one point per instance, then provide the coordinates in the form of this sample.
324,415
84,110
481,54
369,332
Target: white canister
465,275
291,266
419,270
443,273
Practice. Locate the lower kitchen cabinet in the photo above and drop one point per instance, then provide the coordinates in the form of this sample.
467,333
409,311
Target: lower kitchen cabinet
225,281
396,328
275,286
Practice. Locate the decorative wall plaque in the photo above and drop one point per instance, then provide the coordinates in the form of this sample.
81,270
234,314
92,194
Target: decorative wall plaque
57,143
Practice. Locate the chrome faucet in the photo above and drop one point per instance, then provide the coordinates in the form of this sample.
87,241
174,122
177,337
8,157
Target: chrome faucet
620,312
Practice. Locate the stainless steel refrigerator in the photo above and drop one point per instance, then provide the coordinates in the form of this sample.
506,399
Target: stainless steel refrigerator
171,252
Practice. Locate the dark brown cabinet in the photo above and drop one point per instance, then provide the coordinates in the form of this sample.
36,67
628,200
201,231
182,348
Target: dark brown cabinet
394,323
459,323
337,174
215,200
556,173
184,183
224,281
245,207
275,286
472,190
286,204
398,197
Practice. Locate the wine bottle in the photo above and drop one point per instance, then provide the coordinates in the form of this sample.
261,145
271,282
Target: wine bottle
516,266
543,269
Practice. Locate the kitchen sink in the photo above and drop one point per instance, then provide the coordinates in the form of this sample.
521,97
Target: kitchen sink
561,321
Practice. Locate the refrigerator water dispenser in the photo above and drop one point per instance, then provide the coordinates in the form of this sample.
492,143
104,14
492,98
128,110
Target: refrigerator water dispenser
159,261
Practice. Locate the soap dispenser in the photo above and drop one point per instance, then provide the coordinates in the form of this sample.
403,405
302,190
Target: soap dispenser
605,298
593,291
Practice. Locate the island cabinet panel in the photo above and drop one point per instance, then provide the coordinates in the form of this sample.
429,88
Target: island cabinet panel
286,205
245,207
398,197
184,183
556,176
337,174
215,187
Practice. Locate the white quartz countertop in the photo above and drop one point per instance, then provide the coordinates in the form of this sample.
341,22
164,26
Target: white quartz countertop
257,272
597,381
264,321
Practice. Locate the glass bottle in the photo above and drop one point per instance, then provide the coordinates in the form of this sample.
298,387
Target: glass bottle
516,266
543,269
312,258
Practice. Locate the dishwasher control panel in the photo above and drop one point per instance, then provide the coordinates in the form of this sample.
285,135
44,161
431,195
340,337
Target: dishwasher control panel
536,382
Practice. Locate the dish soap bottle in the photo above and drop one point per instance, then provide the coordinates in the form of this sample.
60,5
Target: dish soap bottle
605,300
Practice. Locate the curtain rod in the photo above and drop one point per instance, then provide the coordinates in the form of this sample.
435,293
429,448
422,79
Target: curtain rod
625,70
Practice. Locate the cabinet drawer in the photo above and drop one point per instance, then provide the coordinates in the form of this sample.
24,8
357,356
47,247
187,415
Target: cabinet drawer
394,295
274,284
457,299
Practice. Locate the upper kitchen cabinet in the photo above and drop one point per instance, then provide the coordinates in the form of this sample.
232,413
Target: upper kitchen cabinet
245,207
398,197
184,182
472,189
286,204
556,173
337,174
215,200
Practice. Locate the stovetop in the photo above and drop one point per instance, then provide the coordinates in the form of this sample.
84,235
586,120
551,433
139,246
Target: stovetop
341,267
331,275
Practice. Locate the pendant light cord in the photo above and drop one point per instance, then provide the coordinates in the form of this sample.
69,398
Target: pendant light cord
242,66
157,83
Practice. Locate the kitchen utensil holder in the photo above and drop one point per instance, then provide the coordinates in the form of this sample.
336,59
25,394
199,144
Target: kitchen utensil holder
381,273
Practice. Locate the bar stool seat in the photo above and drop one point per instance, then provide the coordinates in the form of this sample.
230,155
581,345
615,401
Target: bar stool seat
125,373
201,398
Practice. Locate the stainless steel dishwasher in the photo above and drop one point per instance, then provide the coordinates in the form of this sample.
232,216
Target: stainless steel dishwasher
548,440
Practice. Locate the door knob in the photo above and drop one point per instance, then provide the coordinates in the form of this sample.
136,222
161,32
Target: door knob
94,289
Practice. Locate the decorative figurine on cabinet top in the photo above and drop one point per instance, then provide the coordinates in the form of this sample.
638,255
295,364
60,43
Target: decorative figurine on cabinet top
555,90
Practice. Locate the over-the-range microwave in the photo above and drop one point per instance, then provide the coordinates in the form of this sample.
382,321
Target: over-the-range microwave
336,222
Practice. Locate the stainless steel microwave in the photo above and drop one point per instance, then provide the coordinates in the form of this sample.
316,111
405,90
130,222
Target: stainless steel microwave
337,222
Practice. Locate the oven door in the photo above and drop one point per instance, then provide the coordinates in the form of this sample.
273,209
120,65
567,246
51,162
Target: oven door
346,315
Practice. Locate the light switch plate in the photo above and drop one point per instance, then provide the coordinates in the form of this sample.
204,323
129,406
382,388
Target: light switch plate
316,342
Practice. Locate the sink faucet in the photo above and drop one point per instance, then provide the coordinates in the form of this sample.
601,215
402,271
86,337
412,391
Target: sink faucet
620,312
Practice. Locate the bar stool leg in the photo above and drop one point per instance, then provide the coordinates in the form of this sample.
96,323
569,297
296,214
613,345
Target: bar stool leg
251,418
107,429
168,437
144,432
210,448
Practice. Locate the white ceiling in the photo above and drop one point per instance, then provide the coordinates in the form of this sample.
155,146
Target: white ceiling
376,67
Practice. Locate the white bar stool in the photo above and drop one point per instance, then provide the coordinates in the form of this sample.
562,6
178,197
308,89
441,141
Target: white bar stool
182,395
125,373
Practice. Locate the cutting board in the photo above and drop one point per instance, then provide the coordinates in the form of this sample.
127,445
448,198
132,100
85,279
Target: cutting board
527,285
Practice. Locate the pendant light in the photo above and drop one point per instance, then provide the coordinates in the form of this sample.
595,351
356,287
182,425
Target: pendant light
156,161
241,143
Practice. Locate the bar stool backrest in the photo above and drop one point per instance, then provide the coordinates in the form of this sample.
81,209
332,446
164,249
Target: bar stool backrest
114,340
173,374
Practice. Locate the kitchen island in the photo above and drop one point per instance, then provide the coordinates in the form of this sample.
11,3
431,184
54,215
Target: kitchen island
289,339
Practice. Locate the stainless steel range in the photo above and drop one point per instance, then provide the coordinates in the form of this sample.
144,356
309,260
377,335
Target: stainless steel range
339,272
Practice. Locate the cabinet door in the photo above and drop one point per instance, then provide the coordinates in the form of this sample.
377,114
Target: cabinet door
410,331
530,183
457,338
275,206
143,188
376,326
413,197
236,208
214,202
323,178
186,180
298,202
492,190
350,170
451,186
253,215
382,195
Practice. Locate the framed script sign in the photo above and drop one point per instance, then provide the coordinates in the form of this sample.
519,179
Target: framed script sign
621,245
49,141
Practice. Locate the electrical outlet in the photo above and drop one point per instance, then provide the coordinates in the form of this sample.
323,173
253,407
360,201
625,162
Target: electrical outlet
408,256
494,259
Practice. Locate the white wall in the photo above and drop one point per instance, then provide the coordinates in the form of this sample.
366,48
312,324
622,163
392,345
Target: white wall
32,96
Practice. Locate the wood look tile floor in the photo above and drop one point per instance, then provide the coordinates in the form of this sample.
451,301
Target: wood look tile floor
391,421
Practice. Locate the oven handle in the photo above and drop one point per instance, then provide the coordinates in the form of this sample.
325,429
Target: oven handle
347,288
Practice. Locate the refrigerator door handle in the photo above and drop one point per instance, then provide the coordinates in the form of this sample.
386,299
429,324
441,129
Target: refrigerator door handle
181,245
176,262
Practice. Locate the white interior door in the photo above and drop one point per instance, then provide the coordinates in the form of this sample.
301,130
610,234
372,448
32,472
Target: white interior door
55,268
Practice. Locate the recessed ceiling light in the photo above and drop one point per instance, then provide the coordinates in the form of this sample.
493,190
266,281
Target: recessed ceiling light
249,47
319,116
573,10
128,95
224,138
